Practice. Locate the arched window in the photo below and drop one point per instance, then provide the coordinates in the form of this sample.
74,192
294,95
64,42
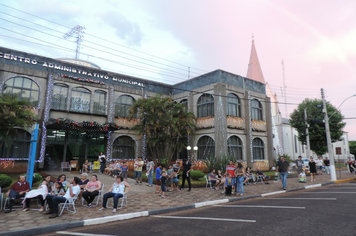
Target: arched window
206,148
20,147
123,104
205,105
59,97
234,147
99,102
80,100
258,149
233,105
24,88
123,148
256,110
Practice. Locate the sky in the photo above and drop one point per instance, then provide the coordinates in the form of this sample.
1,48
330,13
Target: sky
171,41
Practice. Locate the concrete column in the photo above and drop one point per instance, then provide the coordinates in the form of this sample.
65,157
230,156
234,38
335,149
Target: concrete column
248,150
269,145
220,122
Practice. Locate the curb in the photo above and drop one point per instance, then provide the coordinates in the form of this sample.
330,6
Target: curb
107,219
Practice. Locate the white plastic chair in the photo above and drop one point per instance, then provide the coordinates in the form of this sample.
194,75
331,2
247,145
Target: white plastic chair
123,200
100,195
7,201
208,182
259,178
69,202
65,165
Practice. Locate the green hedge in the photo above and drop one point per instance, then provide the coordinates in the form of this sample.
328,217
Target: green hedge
5,181
36,177
196,174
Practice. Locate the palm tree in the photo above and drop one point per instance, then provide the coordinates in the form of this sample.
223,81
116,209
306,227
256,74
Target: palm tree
165,123
14,113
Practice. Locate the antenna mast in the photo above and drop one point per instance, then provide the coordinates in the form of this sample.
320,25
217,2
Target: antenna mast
78,33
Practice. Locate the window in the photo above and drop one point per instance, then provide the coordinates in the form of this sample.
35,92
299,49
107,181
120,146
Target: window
233,105
205,106
256,110
20,147
59,97
123,104
99,102
24,88
206,148
123,148
185,103
258,149
80,100
234,147
295,143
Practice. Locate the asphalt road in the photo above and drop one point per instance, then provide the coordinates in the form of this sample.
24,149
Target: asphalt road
329,210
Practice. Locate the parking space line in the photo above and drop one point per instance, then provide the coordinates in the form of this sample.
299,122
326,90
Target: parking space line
301,198
259,206
80,234
203,218
333,192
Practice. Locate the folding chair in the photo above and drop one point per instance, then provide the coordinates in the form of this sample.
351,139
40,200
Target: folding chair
65,165
123,200
8,199
69,202
96,166
100,195
259,178
208,182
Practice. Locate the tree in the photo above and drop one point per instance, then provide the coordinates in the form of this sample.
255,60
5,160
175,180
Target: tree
165,123
352,145
14,113
317,134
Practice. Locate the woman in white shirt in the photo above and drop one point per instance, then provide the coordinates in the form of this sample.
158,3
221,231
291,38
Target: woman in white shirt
102,160
116,191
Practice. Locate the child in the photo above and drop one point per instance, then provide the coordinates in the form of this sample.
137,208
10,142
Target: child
170,177
163,183
124,169
229,182
302,177
158,176
175,180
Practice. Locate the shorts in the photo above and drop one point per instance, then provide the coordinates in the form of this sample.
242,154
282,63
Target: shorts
124,174
176,183
158,182
320,167
299,170
163,188
138,174
170,181
213,182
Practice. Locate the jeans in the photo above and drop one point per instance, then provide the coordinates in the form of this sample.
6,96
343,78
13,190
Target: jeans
240,184
284,178
150,178
53,202
89,196
13,195
110,195
102,167
327,169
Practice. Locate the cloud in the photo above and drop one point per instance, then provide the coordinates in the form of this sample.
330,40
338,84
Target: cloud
125,29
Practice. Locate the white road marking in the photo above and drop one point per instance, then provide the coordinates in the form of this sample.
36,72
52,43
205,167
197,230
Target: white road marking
331,192
313,186
204,218
80,234
302,198
258,206
272,193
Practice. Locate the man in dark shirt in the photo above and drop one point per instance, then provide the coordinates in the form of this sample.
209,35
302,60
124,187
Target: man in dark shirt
299,164
283,168
327,165
187,168
16,191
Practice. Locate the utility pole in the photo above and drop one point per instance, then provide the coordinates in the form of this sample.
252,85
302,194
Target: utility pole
307,133
328,138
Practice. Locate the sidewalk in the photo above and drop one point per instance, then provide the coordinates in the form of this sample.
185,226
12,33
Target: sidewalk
143,198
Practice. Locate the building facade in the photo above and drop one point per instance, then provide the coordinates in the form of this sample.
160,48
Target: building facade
82,111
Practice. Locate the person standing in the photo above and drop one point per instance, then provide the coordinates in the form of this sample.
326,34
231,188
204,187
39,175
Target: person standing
231,169
283,168
187,168
320,163
312,168
239,174
299,164
150,167
158,177
327,165
138,170
102,160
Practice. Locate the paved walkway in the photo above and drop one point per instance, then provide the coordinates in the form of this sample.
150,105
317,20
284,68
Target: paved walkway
142,198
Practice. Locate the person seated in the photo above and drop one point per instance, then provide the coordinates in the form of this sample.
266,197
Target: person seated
91,190
249,176
220,180
302,177
261,174
212,178
116,191
86,165
73,190
62,178
58,189
39,193
17,191
83,182
117,170
50,184
109,168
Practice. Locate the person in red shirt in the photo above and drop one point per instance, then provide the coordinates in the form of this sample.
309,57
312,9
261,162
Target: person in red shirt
16,191
231,169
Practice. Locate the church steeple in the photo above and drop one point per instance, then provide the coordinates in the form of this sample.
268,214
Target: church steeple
254,71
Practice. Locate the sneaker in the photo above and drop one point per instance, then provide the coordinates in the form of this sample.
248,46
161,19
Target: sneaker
26,209
102,208
89,206
114,210
136,183
163,197
41,209
7,211
232,192
223,192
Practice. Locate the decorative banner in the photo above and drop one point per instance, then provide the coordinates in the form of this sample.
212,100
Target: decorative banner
7,163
